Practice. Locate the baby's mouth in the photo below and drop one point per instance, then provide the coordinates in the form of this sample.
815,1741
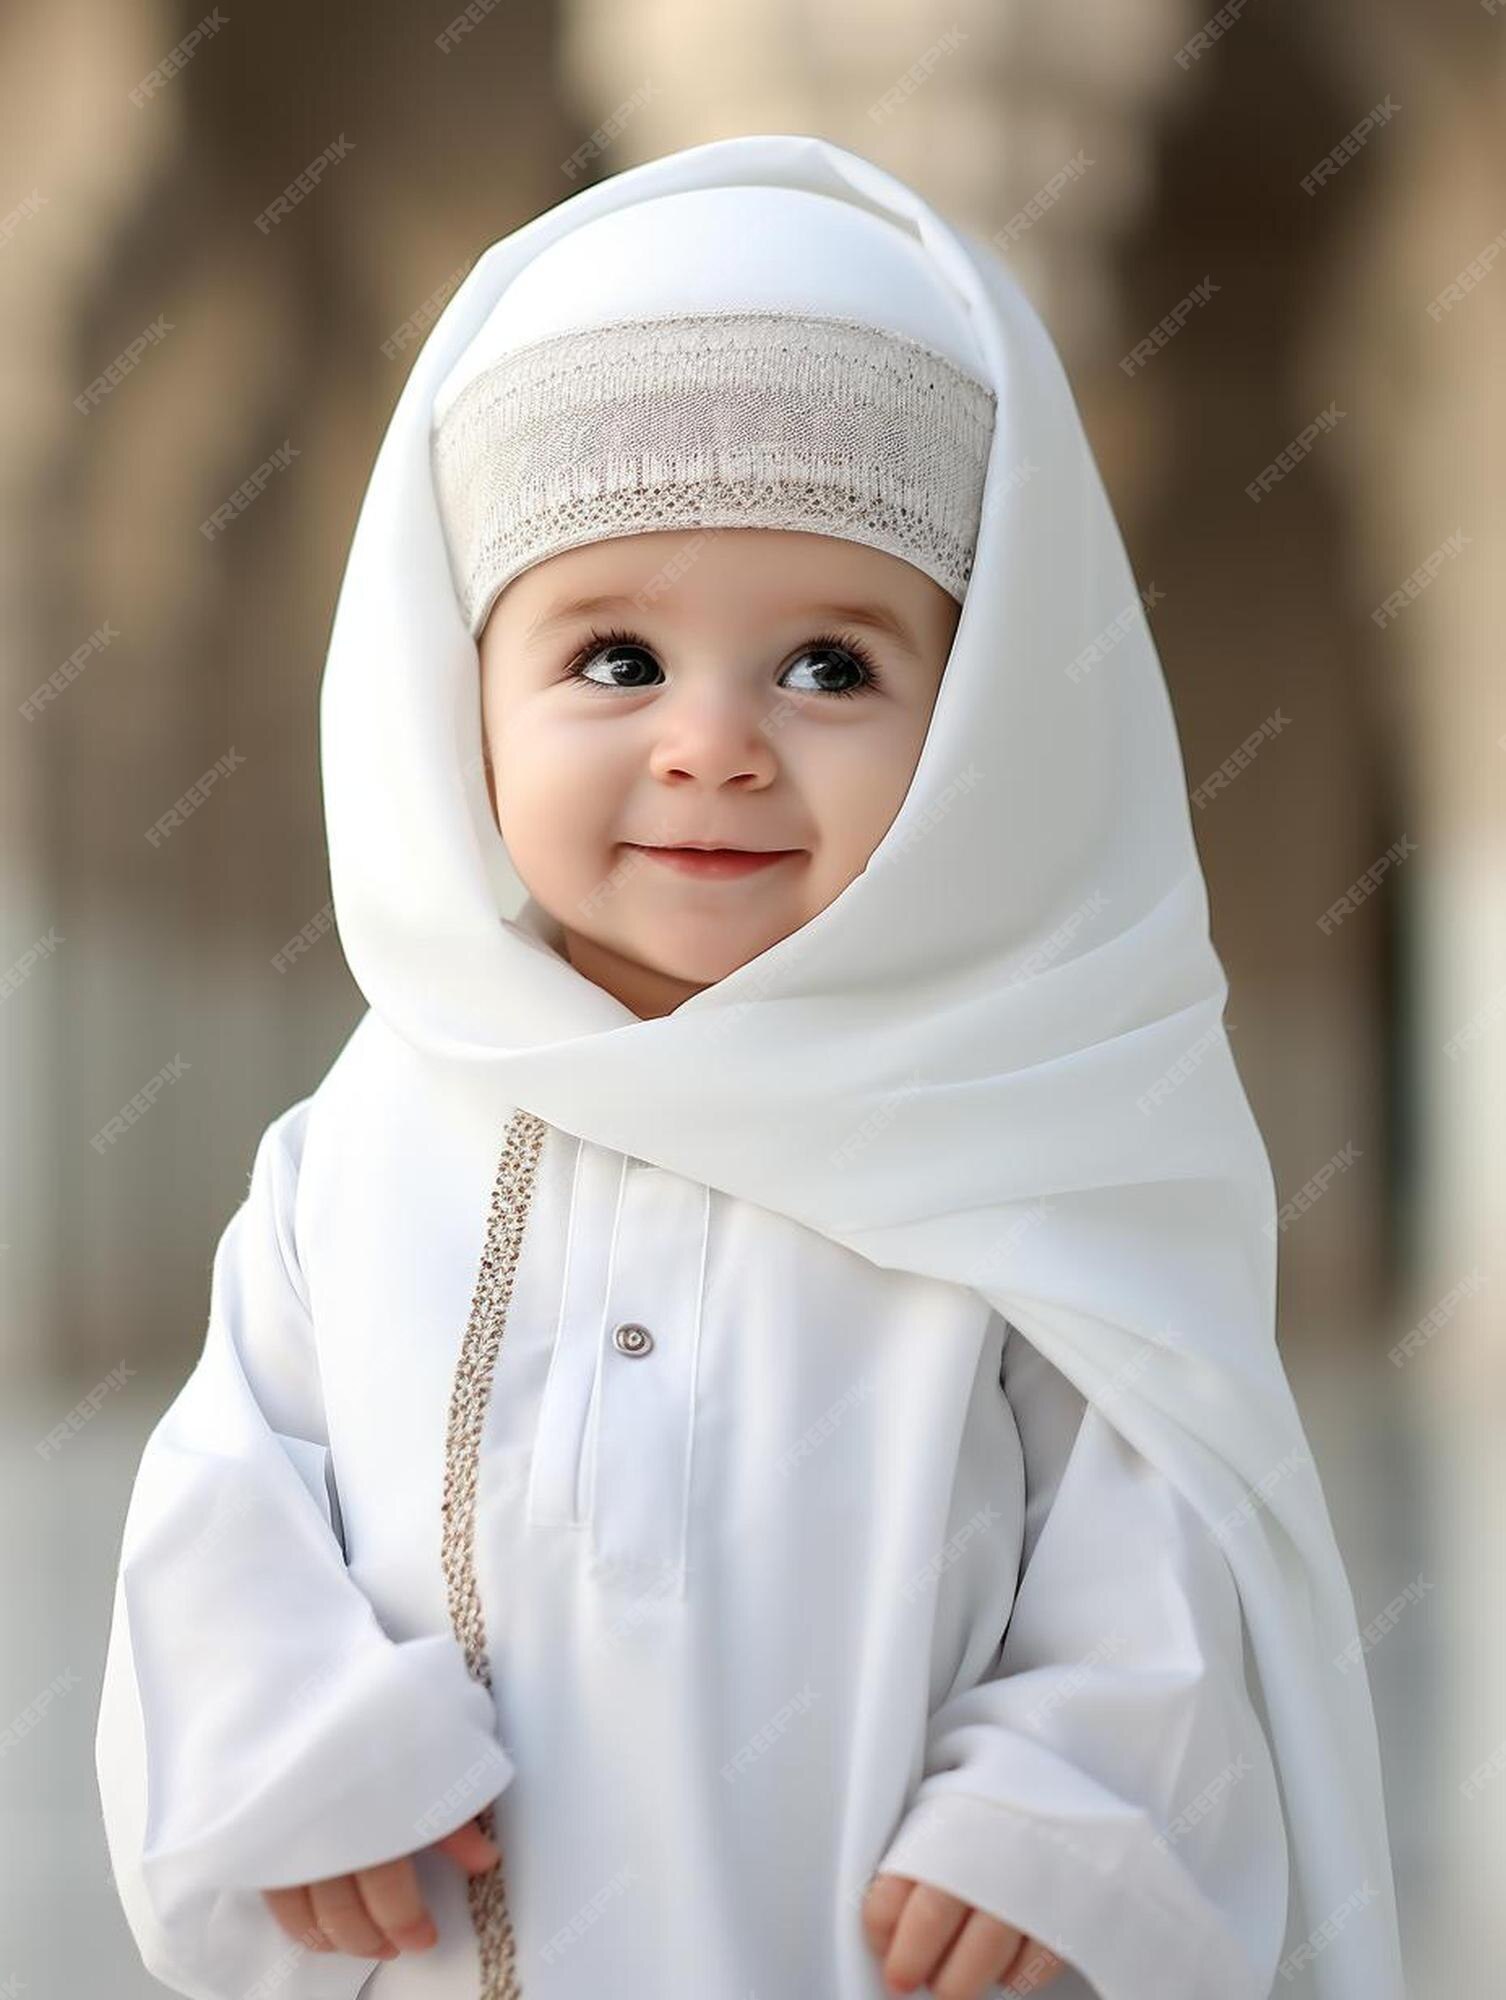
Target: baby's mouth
716,863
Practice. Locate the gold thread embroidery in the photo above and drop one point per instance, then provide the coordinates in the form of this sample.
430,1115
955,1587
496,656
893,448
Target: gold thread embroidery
512,1193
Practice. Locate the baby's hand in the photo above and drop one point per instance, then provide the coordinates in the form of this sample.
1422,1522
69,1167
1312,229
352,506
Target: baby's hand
924,1936
377,1912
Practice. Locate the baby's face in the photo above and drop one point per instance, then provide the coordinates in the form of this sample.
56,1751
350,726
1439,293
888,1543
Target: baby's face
733,708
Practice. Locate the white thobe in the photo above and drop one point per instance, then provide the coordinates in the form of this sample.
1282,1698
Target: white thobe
731,1566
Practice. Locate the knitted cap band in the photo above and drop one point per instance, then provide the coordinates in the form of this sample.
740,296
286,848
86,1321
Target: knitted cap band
755,419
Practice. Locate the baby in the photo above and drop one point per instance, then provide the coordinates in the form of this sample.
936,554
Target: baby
725,1453
723,755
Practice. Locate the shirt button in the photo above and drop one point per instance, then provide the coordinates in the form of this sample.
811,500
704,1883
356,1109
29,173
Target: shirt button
630,1338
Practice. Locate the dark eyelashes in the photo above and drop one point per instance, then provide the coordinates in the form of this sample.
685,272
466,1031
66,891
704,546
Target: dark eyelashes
846,642
595,640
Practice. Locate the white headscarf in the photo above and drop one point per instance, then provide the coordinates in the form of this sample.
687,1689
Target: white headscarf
996,1058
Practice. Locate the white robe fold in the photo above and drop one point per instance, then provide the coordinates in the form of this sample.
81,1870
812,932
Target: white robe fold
743,1597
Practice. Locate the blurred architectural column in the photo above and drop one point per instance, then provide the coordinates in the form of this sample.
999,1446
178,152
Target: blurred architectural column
1423,294
74,163
138,154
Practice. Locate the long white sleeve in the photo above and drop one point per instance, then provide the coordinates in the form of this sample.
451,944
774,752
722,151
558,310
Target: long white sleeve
257,1727
1109,1788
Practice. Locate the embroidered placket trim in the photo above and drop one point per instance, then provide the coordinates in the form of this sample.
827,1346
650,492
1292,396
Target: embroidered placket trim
512,1193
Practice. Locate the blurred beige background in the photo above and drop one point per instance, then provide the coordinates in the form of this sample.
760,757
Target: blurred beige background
1304,196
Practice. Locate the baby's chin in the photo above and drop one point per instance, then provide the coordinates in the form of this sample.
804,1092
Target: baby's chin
690,953
699,959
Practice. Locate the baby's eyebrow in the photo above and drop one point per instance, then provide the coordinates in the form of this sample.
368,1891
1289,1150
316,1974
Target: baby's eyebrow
579,607
876,617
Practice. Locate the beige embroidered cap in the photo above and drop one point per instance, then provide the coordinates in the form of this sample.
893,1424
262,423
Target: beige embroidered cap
778,360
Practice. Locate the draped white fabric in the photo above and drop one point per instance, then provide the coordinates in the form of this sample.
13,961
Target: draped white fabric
1017,1003
997,1059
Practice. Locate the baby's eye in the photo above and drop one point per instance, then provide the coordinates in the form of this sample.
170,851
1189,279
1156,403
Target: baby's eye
613,654
618,659
833,656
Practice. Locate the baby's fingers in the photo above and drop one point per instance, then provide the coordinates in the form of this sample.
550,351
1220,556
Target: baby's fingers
474,1849
295,1913
395,1904
341,1913
928,1925
984,1951
886,1897
1035,1967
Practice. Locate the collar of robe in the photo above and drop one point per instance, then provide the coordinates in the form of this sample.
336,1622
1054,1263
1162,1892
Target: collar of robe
997,1058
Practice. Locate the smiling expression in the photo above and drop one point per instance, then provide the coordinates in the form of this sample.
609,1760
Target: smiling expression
753,689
